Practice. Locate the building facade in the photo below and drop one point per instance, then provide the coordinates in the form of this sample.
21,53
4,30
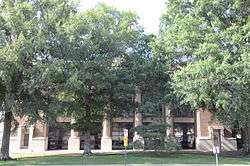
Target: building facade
193,130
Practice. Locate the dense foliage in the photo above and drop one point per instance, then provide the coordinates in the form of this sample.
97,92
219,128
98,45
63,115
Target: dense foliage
206,45
29,48
56,61
103,46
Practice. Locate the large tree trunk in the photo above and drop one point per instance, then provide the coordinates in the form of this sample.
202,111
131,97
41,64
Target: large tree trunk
4,153
87,143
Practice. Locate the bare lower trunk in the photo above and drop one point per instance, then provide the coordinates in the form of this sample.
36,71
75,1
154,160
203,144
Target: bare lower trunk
87,144
4,153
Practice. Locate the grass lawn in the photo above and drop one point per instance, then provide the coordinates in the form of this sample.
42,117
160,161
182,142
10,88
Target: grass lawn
133,158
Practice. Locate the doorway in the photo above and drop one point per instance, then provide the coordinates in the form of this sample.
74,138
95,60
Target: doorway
95,141
24,138
58,138
185,135
117,134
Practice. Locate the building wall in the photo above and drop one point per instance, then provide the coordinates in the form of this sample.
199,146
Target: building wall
205,128
37,138
204,123
38,133
207,144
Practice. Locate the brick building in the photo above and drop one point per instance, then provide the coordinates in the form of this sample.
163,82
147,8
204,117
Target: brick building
193,130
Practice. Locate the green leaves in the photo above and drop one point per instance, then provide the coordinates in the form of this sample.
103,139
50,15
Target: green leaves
205,46
2,91
30,70
102,46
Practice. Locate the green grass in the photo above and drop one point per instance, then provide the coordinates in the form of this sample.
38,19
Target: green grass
133,158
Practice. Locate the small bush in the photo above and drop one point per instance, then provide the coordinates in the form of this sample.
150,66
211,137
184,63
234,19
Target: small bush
155,138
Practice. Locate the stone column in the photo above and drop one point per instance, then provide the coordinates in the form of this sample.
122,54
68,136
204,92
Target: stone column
38,137
198,123
169,120
74,139
19,137
138,119
31,130
106,141
198,130
204,131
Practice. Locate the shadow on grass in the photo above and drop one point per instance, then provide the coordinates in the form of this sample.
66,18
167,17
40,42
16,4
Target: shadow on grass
133,158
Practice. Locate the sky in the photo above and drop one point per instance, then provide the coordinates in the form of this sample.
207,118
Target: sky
149,11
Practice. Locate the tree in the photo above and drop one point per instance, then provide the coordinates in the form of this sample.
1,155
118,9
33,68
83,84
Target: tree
102,46
150,77
206,45
28,42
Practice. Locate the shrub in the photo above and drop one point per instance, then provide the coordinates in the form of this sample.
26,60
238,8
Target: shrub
155,138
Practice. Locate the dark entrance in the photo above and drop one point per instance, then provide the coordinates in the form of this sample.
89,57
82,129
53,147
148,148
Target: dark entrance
95,137
58,137
184,132
117,134
95,141
25,138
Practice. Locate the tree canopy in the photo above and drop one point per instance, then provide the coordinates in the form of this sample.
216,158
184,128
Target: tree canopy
60,62
57,61
29,42
105,47
205,45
